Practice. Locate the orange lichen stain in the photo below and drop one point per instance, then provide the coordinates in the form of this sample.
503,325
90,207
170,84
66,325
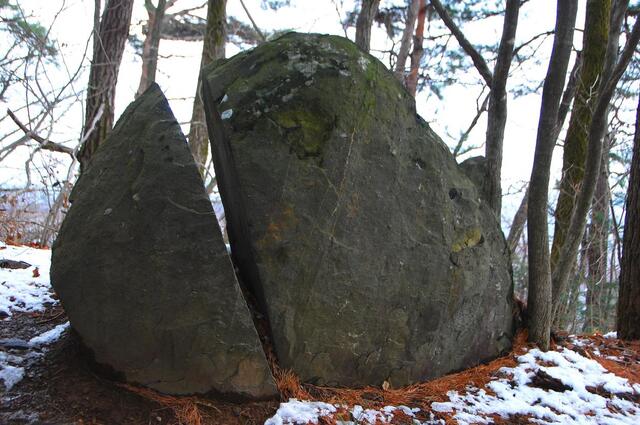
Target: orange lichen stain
279,224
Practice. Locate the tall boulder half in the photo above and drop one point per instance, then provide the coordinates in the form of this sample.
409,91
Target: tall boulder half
371,252
142,271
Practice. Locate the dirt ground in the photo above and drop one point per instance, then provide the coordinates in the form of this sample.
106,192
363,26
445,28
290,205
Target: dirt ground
61,387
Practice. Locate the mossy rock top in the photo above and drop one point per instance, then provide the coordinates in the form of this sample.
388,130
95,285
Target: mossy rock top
371,252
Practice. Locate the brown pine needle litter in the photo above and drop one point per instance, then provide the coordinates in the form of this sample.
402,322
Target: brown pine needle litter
185,409
198,411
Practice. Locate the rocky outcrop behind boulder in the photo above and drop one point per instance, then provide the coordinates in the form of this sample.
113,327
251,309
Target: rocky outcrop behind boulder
142,271
369,249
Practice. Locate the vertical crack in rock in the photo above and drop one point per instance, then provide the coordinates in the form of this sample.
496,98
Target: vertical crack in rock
230,189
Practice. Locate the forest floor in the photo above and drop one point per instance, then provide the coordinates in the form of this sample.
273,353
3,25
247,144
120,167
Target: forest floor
45,378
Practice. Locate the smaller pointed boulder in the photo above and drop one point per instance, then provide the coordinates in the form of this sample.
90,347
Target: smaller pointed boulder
142,271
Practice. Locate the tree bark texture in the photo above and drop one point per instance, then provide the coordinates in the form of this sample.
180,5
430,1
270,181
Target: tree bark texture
368,11
628,323
592,165
405,42
418,50
539,301
575,145
520,218
497,112
103,76
212,49
597,249
151,44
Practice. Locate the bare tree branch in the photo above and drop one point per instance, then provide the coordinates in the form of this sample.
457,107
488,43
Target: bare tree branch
477,59
457,151
255,26
44,143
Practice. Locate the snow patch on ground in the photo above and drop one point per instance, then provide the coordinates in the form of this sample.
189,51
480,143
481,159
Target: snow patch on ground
579,404
384,415
296,412
300,412
49,336
10,375
23,289
10,370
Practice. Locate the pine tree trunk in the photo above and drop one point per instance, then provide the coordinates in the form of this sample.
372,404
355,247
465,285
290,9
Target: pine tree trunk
418,50
103,76
539,302
628,325
212,49
575,145
405,42
368,11
151,44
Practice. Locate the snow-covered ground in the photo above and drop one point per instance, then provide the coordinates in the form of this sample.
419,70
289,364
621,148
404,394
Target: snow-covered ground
576,398
563,386
25,290
559,387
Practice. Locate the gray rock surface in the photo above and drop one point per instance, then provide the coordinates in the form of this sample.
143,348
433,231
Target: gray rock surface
142,271
476,169
369,249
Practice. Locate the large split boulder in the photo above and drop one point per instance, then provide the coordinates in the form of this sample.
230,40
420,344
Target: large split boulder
371,252
142,271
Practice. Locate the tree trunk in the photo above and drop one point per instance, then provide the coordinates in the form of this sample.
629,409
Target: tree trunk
97,4
368,11
594,156
151,44
575,145
418,50
103,77
497,112
567,312
212,49
628,325
598,248
539,302
609,296
519,220
405,42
